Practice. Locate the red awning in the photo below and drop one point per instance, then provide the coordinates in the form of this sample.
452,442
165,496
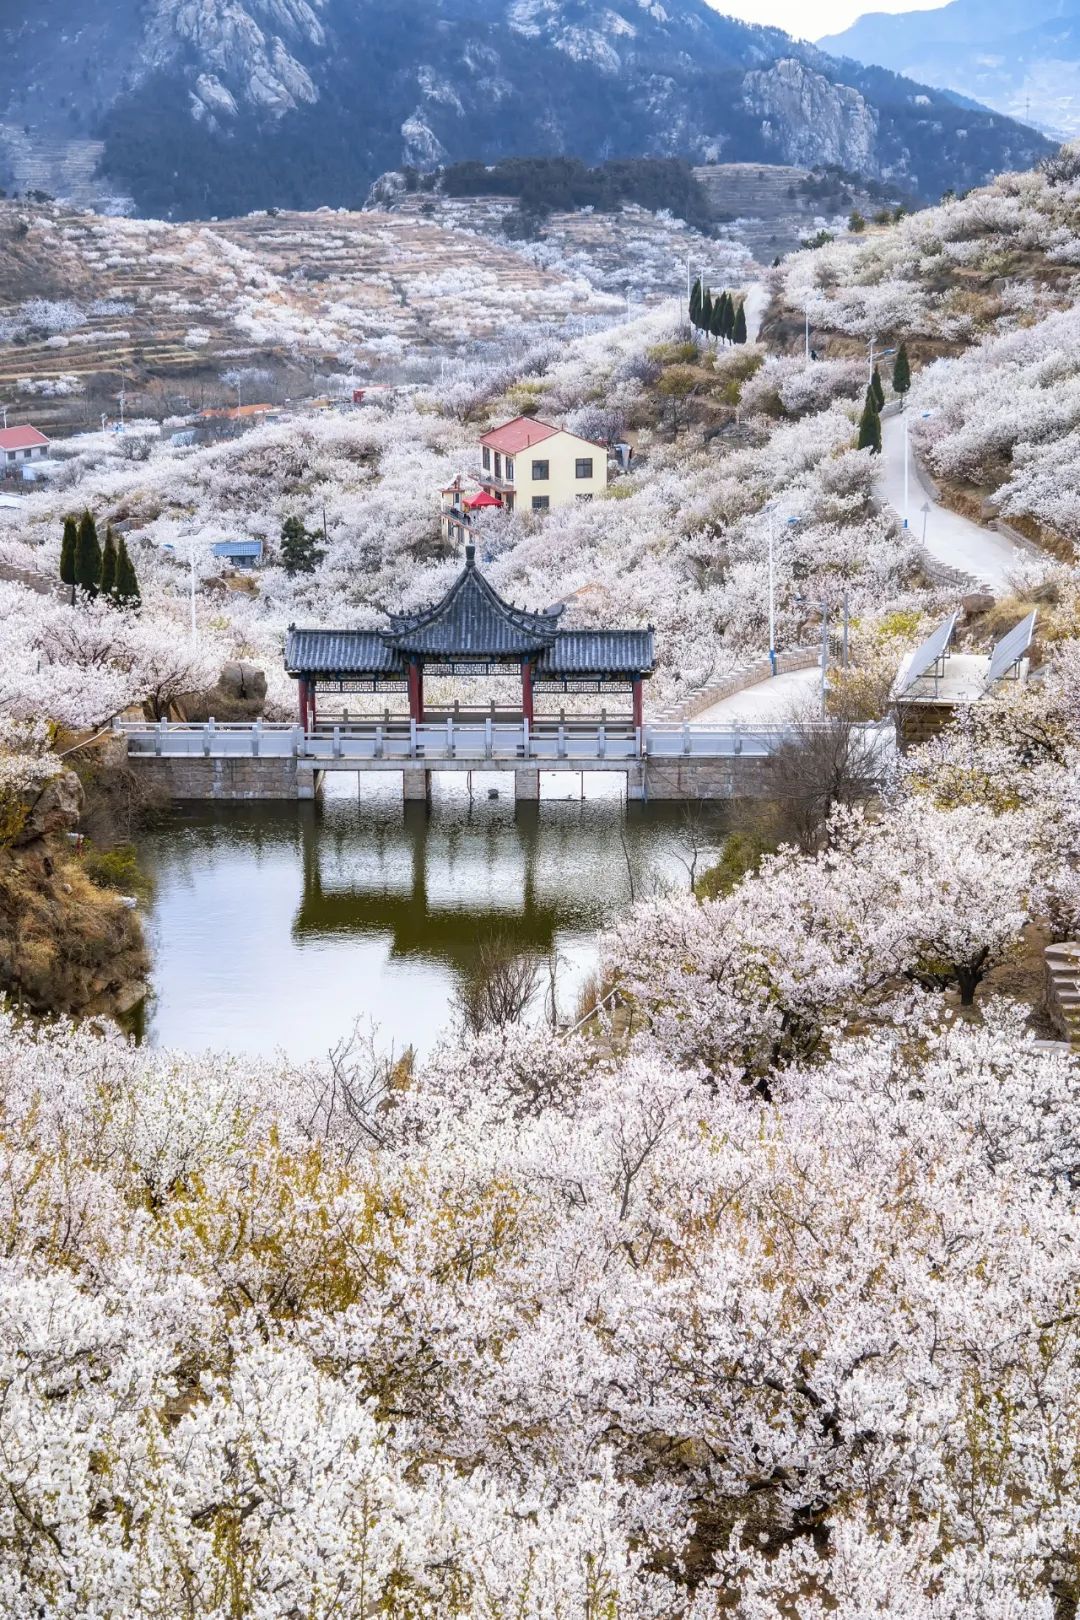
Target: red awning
483,500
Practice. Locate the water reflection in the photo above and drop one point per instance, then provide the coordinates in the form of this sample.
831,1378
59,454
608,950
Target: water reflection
278,926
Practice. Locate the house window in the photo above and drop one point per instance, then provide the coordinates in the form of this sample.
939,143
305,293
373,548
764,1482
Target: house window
583,467
509,471
487,459
541,502
583,498
541,471
498,465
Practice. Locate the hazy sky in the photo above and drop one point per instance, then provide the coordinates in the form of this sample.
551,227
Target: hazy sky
809,19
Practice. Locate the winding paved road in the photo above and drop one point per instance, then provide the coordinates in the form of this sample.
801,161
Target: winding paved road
987,556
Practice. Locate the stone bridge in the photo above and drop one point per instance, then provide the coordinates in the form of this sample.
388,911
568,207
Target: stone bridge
271,761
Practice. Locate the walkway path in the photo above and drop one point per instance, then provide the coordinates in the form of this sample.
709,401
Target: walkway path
987,556
769,702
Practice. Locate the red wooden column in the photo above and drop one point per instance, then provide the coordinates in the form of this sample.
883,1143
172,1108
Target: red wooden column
313,687
302,694
638,705
527,690
416,691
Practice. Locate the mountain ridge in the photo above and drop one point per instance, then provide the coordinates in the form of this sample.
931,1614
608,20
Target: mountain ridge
219,106
1024,63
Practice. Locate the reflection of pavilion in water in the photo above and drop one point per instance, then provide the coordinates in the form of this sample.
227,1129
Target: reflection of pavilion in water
436,888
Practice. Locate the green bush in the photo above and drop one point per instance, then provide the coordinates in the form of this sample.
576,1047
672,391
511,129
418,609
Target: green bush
742,855
117,869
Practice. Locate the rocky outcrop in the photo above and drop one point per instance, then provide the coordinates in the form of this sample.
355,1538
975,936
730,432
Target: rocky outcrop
53,810
808,120
240,694
66,945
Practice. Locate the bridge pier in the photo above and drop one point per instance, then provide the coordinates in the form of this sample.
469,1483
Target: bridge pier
416,784
527,784
309,784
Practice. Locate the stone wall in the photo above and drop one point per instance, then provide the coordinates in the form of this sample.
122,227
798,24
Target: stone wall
200,778
740,777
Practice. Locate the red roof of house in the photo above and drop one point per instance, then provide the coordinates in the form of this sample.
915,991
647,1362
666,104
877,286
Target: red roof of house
520,434
21,438
486,499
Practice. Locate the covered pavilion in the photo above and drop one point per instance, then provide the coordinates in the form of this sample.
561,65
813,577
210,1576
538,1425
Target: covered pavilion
472,631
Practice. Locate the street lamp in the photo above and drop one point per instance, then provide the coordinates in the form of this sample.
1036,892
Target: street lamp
790,523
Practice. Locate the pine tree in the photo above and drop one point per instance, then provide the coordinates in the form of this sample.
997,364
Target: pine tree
108,565
299,552
127,586
877,390
729,317
870,426
739,331
68,550
901,373
88,556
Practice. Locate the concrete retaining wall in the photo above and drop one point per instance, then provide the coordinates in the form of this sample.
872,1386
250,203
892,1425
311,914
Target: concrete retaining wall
686,779
198,778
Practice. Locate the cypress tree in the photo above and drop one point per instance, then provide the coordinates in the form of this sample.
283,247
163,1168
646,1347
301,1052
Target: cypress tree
68,550
707,307
716,325
108,565
127,586
88,556
739,332
695,303
877,390
729,317
870,426
901,373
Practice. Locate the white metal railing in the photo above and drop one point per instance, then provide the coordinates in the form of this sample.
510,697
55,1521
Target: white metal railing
558,746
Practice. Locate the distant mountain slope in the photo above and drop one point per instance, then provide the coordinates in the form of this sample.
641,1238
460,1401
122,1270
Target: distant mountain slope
1023,60
219,106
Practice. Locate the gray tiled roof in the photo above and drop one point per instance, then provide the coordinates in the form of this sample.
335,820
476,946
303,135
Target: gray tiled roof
598,652
340,652
473,620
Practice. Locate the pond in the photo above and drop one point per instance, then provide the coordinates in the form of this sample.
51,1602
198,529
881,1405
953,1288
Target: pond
282,927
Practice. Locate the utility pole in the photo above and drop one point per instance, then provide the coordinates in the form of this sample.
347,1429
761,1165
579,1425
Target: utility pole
772,601
5,411
847,622
824,650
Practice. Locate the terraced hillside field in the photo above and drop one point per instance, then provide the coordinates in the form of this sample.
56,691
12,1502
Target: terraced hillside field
91,304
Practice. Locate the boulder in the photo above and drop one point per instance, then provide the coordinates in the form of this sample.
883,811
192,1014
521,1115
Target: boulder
240,694
976,603
56,808
242,682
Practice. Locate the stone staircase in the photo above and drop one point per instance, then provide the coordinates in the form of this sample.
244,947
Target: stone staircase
1063,973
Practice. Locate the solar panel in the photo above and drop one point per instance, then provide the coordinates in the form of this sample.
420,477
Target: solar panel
1009,650
925,657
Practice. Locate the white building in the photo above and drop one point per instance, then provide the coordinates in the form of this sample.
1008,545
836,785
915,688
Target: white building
20,444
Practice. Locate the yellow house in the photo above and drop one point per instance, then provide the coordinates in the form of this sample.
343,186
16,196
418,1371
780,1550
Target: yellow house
533,466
